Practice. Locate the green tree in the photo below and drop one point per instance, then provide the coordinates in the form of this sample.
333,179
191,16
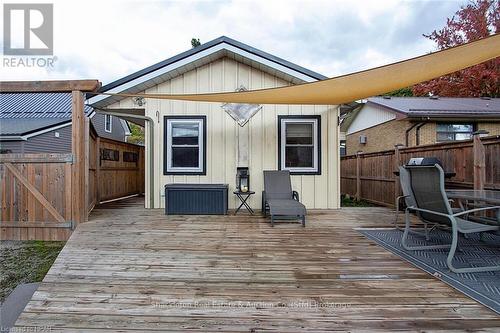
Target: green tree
136,134
403,92
195,42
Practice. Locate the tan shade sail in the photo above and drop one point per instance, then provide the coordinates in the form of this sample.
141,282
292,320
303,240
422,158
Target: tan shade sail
355,86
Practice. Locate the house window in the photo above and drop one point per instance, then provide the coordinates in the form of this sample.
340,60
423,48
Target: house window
343,149
107,123
185,145
453,132
299,144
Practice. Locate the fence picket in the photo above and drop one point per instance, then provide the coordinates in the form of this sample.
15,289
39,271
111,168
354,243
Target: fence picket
371,175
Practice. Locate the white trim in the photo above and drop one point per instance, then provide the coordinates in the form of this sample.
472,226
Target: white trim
313,121
12,138
125,126
200,145
197,56
110,123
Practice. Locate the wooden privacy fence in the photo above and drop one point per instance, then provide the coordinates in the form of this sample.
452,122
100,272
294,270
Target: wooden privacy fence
36,196
116,170
37,191
371,176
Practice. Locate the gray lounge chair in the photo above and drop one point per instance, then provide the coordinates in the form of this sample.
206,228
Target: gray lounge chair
432,206
278,198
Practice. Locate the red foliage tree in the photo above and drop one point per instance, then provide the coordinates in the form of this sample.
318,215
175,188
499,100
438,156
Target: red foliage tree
476,20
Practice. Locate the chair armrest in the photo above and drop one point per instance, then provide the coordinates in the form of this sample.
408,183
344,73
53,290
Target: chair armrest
295,195
428,211
401,197
476,210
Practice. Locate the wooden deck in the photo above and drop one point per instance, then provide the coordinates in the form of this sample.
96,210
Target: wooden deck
137,270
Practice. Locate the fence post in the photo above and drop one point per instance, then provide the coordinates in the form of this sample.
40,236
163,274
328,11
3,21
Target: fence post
479,160
78,149
98,170
397,163
358,175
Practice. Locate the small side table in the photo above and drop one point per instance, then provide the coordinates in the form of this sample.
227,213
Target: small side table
243,196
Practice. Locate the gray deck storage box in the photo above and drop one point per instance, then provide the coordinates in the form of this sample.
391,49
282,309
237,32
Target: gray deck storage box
197,199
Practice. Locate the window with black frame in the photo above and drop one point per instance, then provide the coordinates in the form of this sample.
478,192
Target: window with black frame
299,144
453,132
185,151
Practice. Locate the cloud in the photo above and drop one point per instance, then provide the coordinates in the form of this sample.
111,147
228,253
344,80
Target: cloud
110,39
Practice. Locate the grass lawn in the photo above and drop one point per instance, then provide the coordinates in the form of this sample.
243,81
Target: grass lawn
25,262
351,202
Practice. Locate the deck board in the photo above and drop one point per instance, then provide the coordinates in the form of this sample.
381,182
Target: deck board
132,269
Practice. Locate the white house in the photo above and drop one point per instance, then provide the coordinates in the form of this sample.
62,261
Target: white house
199,142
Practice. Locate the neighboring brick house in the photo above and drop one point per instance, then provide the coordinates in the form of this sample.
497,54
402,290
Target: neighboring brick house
41,123
382,122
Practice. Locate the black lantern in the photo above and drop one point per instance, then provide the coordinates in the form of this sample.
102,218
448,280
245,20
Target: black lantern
242,179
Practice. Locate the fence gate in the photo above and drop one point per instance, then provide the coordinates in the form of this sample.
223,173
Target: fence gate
36,196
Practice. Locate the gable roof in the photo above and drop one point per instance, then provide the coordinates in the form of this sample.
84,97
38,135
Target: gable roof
199,56
440,107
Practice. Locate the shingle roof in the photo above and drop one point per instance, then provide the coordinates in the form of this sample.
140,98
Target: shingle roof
415,107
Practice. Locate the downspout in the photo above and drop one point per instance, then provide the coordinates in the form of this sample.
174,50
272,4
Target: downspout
417,133
151,150
407,134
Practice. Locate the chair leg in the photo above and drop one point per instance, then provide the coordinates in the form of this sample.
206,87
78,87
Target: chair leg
303,221
426,231
397,214
404,239
272,220
451,254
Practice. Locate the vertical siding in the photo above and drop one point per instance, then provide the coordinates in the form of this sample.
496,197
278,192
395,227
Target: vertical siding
317,191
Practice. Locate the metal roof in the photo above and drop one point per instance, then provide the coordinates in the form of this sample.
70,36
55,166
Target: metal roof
15,126
23,113
37,105
441,107
222,39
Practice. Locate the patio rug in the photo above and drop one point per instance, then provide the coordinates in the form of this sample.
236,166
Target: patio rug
482,287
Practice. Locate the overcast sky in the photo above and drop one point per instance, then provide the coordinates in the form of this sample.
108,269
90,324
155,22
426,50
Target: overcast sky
107,40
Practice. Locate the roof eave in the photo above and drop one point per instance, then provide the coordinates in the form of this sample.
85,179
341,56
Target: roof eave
127,82
485,117
205,46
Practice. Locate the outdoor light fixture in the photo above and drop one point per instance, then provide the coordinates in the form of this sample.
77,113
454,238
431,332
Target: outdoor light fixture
242,179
